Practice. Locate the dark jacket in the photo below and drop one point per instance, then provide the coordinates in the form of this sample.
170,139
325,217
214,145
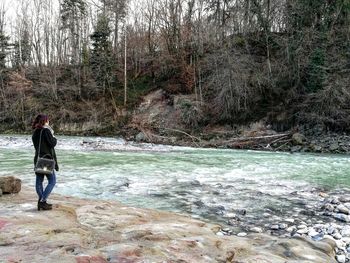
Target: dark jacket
47,147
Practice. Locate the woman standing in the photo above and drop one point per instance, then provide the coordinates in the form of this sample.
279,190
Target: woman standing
44,135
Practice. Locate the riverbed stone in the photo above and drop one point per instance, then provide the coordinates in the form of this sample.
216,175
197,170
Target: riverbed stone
328,207
337,236
302,231
343,209
341,258
140,137
302,226
335,201
298,139
283,226
256,230
344,199
345,231
10,185
342,217
274,227
291,229
334,147
330,230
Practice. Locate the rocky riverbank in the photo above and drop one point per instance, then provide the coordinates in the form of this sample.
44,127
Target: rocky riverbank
79,230
161,120
264,141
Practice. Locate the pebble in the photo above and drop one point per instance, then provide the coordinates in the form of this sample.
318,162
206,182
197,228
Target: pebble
340,244
266,215
330,230
303,231
342,209
291,229
283,226
274,227
335,201
341,258
312,232
342,217
290,220
328,207
256,230
344,199
345,231
242,234
337,236
302,226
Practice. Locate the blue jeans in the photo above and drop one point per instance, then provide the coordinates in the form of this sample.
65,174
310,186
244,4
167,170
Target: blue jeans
44,194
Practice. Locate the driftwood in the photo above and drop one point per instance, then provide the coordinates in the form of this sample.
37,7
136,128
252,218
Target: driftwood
257,142
267,137
187,134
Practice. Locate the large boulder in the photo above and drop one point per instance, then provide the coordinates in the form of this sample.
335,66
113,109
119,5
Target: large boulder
10,185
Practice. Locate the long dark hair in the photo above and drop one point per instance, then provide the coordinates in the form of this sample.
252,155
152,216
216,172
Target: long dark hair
40,121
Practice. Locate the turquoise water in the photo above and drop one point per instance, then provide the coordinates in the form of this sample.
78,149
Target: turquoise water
206,183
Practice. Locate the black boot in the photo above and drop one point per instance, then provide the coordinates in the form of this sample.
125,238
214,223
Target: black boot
44,206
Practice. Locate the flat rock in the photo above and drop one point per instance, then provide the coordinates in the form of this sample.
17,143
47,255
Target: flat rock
79,230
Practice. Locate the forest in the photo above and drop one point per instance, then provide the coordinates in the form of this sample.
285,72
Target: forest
241,61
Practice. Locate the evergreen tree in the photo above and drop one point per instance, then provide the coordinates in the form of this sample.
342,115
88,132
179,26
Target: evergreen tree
72,12
101,54
3,49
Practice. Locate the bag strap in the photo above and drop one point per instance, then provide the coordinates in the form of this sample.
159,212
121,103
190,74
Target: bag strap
41,132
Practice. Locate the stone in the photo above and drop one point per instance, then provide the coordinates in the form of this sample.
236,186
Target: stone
283,226
10,185
290,220
341,258
242,234
334,147
316,148
274,227
340,244
296,148
0,192
328,207
345,231
302,226
140,137
256,230
335,201
330,230
337,236
298,139
342,218
291,229
312,232
303,231
344,199
342,209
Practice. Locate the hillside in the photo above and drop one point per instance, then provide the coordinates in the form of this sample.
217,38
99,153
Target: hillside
286,78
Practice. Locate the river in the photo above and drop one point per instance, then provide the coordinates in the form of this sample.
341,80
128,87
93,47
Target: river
252,188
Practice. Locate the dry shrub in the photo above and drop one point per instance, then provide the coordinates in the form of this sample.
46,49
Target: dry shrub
232,87
329,107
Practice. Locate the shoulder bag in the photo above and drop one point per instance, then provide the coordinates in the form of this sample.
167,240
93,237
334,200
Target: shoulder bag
44,165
